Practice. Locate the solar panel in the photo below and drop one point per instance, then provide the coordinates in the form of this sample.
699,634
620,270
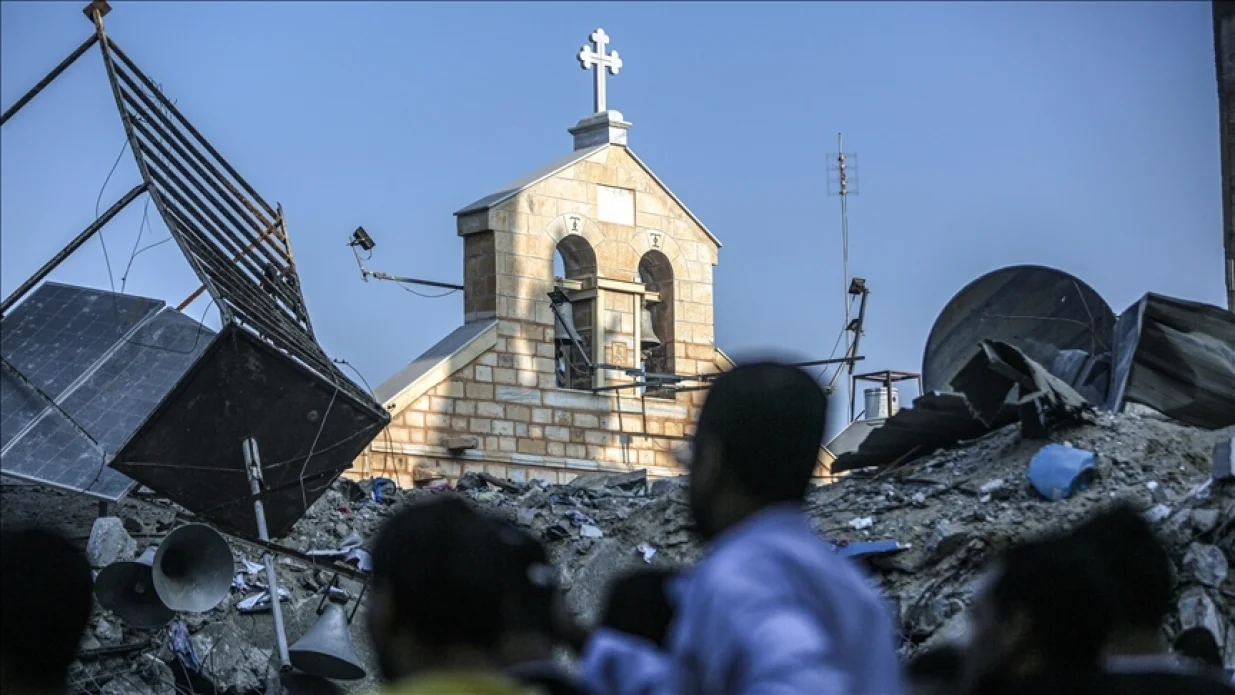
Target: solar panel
91,366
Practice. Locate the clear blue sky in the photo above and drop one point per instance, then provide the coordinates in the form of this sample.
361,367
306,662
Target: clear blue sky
1082,136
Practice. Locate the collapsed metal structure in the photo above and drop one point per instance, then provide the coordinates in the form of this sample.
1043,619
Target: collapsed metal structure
263,376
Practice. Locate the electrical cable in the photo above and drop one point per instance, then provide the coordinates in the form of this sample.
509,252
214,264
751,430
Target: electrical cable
426,296
390,442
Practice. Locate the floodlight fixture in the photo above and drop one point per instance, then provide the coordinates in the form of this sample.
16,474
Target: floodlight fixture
362,239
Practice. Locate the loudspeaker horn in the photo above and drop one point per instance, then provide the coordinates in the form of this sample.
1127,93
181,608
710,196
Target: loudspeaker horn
326,649
127,589
193,569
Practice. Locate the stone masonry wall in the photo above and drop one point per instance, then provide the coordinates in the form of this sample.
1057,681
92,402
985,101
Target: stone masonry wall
523,426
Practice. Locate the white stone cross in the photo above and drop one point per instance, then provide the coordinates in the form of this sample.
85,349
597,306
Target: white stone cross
596,59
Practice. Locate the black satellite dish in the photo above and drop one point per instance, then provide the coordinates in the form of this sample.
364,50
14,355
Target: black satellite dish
1041,310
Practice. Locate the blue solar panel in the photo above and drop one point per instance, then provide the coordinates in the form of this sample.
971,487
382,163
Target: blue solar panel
106,361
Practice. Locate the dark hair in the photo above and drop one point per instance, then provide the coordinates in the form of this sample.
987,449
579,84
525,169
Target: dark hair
1053,581
442,561
45,603
1199,643
530,581
1136,564
768,419
639,605
942,664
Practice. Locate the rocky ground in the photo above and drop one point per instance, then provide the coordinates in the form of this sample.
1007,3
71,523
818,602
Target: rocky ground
950,513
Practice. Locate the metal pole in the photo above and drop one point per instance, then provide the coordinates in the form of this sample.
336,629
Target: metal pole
34,92
253,463
72,246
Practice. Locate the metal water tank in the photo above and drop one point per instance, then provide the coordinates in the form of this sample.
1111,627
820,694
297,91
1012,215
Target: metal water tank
877,403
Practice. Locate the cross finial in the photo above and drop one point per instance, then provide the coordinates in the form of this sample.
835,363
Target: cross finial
598,60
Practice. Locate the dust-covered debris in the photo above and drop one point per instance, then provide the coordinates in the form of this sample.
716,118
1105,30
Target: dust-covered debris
948,514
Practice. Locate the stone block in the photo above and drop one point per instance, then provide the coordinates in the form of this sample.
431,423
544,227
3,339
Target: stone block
576,451
458,423
527,379
450,389
491,443
413,419
437,420
441,405
521,429
481,426
531,446
519,413
585,420
542,416
519,394
507,443
504,376
536,431
558,434
417,437
484,373
480,392
465,407
490,410
503,427
556,449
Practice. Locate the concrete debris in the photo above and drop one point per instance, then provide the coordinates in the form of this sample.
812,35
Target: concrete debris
926,529
110,542
1206,563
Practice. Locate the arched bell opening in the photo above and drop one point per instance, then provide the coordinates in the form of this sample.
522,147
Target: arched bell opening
656,338
574,259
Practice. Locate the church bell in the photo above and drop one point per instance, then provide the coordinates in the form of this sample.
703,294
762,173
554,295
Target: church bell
647,331
564,330
326,649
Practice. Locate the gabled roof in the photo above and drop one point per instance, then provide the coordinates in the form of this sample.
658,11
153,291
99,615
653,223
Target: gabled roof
558,165
675,198
425,372
509,191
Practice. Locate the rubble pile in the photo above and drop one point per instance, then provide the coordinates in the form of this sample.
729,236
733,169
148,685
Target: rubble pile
926,529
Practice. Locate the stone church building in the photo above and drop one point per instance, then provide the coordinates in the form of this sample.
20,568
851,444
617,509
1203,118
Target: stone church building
588,326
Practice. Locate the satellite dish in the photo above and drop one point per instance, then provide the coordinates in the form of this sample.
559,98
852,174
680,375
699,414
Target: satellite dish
1041,310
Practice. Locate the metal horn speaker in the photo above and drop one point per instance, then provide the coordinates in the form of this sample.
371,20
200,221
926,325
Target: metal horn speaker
326,649
127,589
193,569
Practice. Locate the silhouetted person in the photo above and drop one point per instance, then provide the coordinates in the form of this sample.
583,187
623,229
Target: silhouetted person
45,602
639,604
771,608
436,613
1138,583
532,595
936,671
1039,617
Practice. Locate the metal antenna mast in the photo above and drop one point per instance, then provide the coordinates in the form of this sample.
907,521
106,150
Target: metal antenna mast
840,183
